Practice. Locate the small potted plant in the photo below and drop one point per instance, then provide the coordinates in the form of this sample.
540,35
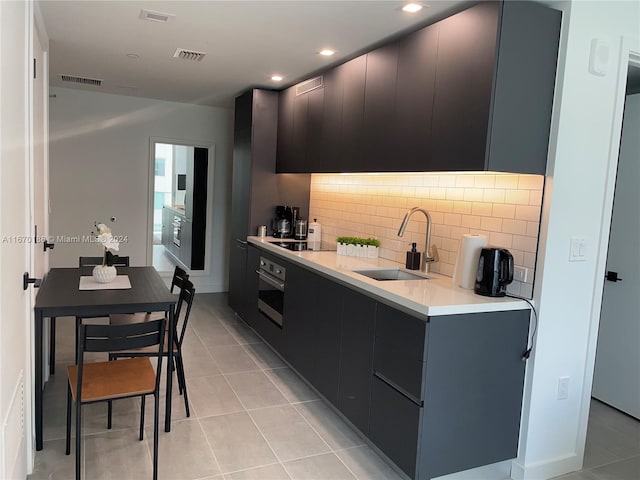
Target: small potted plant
373,247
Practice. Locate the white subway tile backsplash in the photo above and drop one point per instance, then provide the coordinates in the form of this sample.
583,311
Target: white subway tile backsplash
485,181
528,212
531,182
504,207
519,197
504,210
482,209
491,224
506,181
493,195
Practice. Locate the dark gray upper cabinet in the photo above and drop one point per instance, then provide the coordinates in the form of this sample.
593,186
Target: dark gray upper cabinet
414,99
471,92
495,76
379,145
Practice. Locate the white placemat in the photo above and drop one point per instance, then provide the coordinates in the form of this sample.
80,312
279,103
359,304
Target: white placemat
121,282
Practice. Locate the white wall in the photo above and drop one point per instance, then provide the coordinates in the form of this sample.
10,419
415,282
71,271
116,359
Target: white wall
99,168
577,204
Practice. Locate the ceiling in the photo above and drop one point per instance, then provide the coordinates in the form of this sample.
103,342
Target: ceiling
245,42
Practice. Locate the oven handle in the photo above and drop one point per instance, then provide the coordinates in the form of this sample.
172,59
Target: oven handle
270,280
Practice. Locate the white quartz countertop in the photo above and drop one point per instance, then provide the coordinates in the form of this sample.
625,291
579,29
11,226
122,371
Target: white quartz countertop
436,295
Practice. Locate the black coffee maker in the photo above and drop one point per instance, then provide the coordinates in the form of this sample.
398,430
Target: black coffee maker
283,223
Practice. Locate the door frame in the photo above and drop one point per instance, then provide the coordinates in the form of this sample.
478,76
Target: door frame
629,55
211,156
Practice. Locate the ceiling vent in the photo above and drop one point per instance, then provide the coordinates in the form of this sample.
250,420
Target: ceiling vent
189,54
156,16
309,85
81,80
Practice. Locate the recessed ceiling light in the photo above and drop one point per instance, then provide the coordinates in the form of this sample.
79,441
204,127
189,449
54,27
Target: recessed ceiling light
327,52
412,7
133,55
276,78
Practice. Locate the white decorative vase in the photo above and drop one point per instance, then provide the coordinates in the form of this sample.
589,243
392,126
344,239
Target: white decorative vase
104,273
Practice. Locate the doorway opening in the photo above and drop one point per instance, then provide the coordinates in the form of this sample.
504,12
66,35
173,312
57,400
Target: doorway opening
614,415
180,175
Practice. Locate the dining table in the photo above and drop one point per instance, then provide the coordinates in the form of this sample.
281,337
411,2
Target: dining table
62,295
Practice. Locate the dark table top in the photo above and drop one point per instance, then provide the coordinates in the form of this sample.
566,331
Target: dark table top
59,295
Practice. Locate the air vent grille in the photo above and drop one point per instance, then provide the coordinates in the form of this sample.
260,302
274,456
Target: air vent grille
189,54
309,85
153,16
81,80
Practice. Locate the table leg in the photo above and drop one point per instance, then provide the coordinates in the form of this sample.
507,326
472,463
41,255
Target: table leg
52,346
38,378
167,415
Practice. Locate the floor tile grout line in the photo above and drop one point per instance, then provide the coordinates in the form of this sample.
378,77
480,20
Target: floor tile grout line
613,462
206,438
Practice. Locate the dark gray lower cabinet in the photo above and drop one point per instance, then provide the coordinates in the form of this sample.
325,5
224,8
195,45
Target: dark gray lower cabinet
356,358
471,377
395,423
437,395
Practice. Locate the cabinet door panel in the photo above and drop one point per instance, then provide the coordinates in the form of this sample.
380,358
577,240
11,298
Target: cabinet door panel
399,351
464,80
414,98
395,422
331,123
285,159
250,286
299,319
326,338
300,132
356,358
315,146
353,74
379,109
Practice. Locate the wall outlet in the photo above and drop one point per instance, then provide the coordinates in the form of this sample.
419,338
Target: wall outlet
520,274
563,388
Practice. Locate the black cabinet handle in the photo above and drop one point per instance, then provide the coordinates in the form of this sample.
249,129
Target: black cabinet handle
48,245
612,277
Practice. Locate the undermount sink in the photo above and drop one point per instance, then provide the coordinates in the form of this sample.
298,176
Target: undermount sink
384,274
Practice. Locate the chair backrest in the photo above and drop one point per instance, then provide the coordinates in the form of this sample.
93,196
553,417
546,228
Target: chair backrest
114,338
179,275
118,261
183,309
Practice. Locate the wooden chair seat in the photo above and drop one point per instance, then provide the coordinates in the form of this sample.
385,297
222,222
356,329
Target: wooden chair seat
109,380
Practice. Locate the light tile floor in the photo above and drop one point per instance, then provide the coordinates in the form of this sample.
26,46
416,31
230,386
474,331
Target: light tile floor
612,451
252,418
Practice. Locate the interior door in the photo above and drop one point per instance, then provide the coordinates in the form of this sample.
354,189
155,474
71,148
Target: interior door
617,370
39,172
15,302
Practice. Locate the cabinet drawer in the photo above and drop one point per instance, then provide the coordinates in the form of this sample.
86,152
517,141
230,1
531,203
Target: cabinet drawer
399,349
394,425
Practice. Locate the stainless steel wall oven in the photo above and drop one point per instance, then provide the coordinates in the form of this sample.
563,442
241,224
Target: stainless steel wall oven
271,282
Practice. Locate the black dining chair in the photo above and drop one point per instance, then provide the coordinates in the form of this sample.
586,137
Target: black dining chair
106,381
179,275
181,319
118,261
82,262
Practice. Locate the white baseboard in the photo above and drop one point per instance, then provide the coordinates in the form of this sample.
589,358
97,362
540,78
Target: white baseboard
547,469
14,455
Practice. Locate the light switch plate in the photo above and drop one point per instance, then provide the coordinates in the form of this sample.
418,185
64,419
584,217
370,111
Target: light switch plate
578,249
